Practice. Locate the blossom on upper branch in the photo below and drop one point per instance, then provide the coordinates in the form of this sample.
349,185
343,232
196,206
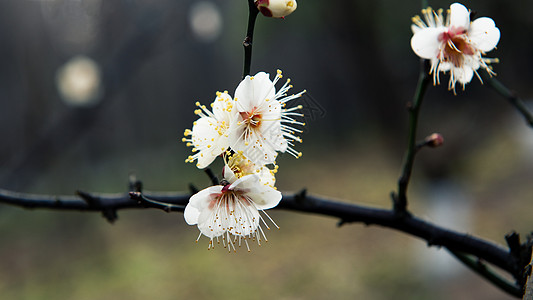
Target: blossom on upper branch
230,212
209,134
276,8
455,44
258,131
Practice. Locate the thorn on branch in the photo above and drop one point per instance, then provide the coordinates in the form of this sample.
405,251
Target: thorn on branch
109,213
300,197
88,198
522,253
513,241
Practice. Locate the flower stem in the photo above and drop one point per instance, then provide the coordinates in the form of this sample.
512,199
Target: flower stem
247,43
400,200
512,97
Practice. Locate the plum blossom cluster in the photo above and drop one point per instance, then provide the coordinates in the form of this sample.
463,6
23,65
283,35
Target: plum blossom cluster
247,132
454,44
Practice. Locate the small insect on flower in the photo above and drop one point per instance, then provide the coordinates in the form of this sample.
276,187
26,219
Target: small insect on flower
455,44
229,213
209,136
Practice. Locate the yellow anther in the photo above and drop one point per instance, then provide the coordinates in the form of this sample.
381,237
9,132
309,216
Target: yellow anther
197,103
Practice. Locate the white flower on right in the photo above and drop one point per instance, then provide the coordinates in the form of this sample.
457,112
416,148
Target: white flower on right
455,44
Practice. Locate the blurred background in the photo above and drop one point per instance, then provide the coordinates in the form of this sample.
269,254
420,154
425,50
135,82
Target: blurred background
92,91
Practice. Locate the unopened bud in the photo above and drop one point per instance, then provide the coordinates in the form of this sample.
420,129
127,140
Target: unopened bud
276,8
434,140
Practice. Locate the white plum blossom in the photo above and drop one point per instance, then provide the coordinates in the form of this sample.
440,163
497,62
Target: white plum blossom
456,44
276,8
209,134
259,130
237,166
229,213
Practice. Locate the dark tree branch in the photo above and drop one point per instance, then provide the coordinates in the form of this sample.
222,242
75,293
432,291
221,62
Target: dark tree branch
508,260
248,40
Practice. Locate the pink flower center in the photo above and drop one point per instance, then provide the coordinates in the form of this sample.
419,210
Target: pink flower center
252,118
455,45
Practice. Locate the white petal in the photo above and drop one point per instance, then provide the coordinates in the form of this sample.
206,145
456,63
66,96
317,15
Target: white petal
199,202
263,87
252,92
266,177
245,182
191,215
459,16
223,108
245,220
445,66
463,75
415,28
207,139
425,42
263,196
244,95
228,174
257,148
484,34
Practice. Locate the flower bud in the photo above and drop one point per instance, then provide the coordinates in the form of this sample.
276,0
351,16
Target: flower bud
434,140
276,8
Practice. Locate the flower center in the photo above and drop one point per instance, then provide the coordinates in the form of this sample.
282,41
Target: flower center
252,119
455,45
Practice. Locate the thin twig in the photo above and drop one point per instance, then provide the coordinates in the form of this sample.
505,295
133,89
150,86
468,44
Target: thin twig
212,176
400,200
167,207
484,271
248,40
511,97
